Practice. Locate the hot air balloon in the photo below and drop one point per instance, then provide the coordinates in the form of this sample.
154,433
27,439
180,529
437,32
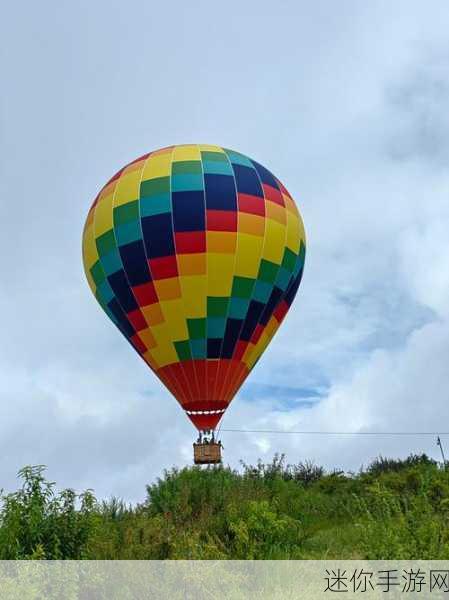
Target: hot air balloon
196,253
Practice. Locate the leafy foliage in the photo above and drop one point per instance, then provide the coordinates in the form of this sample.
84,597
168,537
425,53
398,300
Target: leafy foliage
394,509
37,523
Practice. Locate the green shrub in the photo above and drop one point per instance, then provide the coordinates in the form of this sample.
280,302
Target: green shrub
37,523
394,509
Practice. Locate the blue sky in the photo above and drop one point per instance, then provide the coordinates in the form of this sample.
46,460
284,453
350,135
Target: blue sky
346,104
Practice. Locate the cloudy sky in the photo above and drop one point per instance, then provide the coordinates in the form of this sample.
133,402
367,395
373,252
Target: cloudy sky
347,103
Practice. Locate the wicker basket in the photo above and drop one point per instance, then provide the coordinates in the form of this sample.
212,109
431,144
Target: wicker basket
207,454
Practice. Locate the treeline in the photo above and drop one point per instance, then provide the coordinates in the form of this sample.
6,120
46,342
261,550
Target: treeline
394,509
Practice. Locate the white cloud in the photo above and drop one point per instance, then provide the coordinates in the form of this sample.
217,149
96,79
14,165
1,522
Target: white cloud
395,390
424,252
356,128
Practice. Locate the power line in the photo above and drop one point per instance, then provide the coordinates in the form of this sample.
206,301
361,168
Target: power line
379,433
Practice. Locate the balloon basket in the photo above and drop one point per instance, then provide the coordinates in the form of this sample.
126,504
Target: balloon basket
207,453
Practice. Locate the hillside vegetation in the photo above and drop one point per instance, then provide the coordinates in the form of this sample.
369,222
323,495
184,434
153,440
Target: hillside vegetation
392,510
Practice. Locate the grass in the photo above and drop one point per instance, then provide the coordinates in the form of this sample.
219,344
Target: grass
394,509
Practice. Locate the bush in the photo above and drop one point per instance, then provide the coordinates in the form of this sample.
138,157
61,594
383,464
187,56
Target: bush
36,523
394,509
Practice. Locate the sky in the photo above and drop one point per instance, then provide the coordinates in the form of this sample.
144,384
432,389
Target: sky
347,104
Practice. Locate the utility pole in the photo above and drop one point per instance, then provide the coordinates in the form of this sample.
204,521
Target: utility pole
439,443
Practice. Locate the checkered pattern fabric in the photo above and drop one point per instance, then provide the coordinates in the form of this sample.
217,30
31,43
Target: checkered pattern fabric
196,253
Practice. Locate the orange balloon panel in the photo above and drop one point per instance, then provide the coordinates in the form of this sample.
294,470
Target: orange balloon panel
196,253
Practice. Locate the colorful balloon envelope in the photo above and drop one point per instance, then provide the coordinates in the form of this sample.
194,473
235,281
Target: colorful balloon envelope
196,253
